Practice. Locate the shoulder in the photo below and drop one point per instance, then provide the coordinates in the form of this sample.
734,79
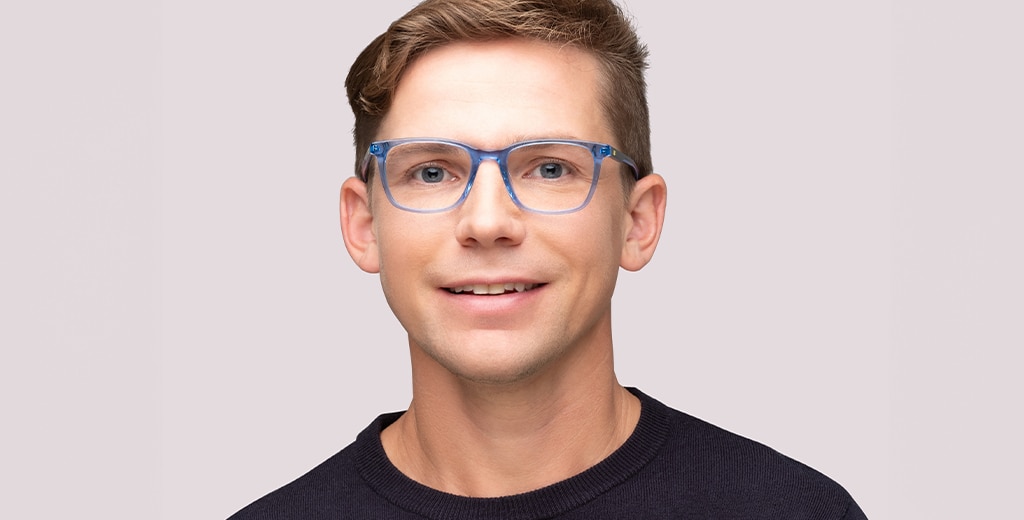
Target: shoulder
308,496
730,473
332,489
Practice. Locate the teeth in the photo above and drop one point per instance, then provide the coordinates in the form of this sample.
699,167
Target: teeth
488,289
494,288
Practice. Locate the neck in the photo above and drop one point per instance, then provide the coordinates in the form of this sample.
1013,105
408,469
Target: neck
487,440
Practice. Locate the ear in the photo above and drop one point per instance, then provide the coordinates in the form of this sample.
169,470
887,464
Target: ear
357,225
644,222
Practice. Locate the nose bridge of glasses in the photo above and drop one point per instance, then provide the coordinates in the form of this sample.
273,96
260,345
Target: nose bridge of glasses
497,157
482,159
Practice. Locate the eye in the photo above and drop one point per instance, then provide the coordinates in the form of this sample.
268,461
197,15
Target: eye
550,170
430,174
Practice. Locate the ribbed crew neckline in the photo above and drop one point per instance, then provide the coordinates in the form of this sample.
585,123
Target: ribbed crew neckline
385,479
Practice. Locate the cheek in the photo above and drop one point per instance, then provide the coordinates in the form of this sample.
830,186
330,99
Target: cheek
612,221
401,256
405,241
594,244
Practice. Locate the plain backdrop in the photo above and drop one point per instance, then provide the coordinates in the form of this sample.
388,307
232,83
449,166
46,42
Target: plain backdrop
183,332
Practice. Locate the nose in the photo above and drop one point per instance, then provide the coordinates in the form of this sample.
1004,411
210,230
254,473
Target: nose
488,217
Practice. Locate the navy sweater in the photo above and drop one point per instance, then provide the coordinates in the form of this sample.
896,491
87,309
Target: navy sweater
672,466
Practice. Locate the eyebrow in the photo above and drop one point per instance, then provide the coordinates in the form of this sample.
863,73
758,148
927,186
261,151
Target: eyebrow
523,137
424,147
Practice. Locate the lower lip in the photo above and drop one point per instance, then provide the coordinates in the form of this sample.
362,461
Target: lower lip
492,305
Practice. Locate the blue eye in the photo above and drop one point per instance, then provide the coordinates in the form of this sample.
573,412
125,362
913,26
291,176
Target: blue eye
551,170
430,174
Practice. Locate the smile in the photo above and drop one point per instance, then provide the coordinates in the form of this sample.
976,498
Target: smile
493,288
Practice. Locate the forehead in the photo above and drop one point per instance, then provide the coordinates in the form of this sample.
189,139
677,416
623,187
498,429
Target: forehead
491,93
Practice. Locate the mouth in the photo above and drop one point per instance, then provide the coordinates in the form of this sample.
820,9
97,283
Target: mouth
493,289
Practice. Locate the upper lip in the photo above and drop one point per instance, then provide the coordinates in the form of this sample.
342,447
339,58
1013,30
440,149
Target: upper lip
490,279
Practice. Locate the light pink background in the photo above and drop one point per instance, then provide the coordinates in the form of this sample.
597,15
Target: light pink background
183,332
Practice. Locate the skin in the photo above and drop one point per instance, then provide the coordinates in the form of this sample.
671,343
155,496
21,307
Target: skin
499,380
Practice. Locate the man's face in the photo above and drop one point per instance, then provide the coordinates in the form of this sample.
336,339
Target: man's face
490,95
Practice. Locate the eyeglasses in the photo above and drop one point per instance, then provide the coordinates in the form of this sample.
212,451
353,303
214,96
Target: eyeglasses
550,176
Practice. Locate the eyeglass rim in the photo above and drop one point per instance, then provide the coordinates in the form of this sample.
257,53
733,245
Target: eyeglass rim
599,151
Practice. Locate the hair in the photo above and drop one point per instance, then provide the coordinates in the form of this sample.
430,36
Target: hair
598,27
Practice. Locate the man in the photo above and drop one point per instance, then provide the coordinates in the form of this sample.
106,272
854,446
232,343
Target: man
503,178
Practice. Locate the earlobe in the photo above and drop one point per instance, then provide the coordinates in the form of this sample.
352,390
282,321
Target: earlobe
357,225
644,222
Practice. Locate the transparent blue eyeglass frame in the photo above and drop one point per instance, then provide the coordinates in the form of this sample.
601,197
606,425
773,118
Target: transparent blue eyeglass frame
600,151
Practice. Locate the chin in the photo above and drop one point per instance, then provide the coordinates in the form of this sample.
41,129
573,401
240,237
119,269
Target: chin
496,377
495,367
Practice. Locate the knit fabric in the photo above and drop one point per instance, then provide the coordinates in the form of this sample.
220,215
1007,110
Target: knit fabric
673,466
